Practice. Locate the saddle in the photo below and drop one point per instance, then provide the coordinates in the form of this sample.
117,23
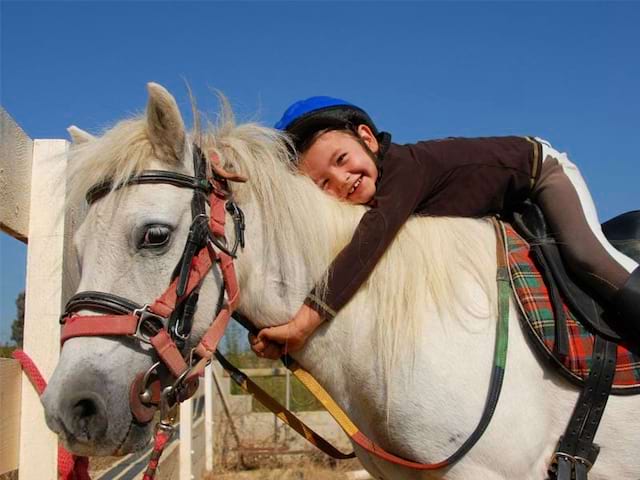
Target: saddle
623,232
592,347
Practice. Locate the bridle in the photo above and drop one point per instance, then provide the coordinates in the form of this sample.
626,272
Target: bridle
165,324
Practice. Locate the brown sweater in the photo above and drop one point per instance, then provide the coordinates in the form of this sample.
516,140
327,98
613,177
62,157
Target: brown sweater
462,177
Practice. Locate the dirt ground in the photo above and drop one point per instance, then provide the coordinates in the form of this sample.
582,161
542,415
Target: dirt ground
305,470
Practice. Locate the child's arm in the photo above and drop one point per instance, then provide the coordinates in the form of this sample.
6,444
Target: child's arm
402,188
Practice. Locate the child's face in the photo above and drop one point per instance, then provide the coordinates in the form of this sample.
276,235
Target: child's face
340,165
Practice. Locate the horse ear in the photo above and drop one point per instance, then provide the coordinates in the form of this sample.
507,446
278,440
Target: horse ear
164,124
79,136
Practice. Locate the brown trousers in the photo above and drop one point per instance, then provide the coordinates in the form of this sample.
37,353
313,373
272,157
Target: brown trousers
582,251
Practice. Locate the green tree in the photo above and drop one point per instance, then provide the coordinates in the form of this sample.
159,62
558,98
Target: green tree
17,327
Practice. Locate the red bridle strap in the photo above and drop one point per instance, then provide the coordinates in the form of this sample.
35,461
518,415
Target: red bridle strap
166,303
98,325
209,341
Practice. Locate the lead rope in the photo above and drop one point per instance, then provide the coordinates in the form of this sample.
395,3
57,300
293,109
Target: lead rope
164,432
70,467
75,467
161,440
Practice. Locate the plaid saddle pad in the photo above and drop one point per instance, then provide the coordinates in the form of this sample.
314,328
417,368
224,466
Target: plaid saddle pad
533,299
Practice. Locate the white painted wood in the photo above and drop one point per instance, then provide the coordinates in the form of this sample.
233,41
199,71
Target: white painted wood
359,475
43,302
262,372
16,150
208,417
10,373
186,414
287,393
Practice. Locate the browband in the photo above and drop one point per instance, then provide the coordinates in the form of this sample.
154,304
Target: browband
150,176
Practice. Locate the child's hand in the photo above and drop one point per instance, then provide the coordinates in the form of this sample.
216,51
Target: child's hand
264,348
273,342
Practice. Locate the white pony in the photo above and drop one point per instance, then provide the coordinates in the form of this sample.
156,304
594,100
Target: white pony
409,358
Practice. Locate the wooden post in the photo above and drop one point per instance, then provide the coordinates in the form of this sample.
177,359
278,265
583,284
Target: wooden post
208,417
16,151
287,398
287,389
10,379
43,301
186,415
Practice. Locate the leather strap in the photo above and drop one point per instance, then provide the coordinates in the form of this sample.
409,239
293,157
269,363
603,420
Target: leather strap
149,176
561,343
576,451
169,353
98,325
244,382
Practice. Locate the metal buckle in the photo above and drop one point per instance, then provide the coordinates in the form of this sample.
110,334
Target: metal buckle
215,243
553,465
143,389
168,410
583,461
179,386
221,242
145,315
177,333
238,221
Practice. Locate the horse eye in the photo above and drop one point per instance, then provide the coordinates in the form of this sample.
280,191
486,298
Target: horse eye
155,236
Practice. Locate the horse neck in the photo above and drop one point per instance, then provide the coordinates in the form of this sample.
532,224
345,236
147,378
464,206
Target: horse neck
288,250
276,274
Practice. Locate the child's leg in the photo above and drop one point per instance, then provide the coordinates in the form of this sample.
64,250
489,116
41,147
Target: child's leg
568,207
580,247
588,207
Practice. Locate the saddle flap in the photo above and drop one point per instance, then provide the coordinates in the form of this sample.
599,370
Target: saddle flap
530,223
573,351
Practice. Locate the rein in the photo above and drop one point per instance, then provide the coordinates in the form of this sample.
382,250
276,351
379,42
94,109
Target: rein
343,420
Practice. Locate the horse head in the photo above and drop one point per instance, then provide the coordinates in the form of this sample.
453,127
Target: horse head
130,246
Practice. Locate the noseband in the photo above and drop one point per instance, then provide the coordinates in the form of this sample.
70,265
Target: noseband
165,324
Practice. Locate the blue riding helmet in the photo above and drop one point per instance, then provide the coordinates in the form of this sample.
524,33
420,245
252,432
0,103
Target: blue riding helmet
305,117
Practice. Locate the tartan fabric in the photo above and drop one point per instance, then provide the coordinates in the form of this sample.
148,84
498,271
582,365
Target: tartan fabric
534,301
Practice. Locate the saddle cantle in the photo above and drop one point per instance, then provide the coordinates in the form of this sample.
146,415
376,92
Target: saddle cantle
560,316
623,232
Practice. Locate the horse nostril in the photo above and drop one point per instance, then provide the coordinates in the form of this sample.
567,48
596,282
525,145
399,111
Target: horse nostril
87,418
84,408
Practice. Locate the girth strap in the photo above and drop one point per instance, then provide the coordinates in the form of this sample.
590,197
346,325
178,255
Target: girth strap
576,452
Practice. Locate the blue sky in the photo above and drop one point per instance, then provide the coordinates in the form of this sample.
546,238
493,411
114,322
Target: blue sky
565,71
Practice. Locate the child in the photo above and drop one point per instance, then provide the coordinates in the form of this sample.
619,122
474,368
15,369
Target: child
342,151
